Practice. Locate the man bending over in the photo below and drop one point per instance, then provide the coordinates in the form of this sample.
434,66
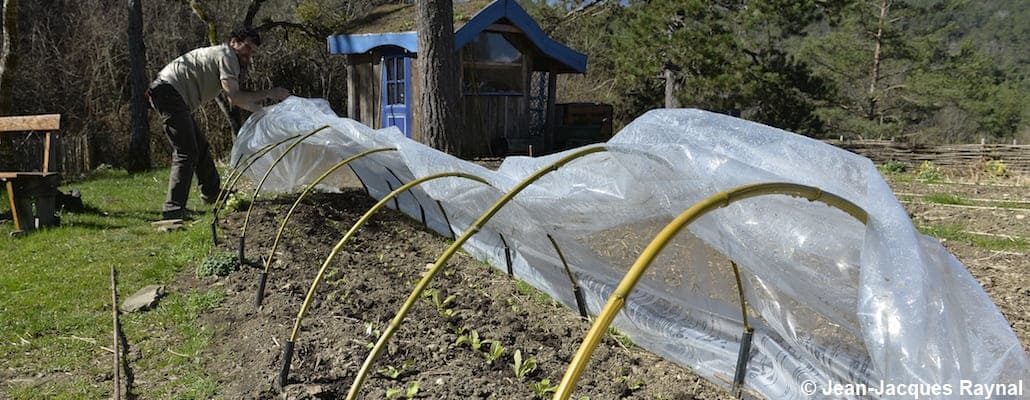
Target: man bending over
185,84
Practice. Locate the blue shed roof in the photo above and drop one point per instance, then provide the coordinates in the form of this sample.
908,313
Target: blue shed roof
507,10
362,43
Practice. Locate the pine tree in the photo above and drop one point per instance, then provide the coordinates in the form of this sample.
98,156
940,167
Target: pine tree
438,62
726,57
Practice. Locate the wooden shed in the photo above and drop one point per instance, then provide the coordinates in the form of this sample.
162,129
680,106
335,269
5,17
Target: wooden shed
508,74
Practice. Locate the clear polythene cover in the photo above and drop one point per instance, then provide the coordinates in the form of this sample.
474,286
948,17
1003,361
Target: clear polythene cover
836,305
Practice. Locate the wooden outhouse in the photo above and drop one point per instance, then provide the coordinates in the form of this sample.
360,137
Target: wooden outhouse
508,64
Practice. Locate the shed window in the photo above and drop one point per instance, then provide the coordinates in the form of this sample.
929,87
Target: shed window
492,65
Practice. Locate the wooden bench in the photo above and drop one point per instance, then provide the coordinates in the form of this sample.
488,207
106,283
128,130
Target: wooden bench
32,178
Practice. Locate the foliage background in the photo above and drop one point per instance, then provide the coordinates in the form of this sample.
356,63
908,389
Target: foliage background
951,70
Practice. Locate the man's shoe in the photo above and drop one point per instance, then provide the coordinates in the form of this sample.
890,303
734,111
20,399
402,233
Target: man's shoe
184,214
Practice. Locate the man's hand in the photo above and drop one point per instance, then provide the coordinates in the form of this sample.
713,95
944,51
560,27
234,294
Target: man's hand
251,101
277,94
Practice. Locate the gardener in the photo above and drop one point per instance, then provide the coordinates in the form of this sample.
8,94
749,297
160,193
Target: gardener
184,85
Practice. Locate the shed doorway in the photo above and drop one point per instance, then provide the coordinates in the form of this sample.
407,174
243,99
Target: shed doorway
396,91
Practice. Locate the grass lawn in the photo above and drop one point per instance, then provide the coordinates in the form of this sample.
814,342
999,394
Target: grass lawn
55,296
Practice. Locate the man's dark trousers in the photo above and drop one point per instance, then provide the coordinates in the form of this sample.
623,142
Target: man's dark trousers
190,151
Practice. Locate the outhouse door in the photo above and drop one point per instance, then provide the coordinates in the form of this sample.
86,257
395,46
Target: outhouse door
396,92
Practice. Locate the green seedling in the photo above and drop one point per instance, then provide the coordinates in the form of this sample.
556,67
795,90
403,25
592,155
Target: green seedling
393,373
429,293
522,367
471,339
495,352
624,341
372,331
542,388
412,390
632,384
390,372
514,306
409,393
441,303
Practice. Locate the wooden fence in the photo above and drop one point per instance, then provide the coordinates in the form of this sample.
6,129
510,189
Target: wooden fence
74,154
955,156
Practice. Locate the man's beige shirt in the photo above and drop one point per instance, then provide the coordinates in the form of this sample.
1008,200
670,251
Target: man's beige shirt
198,75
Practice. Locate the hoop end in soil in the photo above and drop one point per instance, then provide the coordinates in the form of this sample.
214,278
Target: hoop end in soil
284,370
260,297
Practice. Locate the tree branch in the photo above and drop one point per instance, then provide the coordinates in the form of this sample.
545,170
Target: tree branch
212,28
269,24
252,10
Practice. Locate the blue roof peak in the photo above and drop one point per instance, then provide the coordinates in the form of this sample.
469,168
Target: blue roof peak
508,10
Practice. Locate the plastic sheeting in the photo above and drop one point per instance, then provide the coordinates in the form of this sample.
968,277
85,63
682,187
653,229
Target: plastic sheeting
832,301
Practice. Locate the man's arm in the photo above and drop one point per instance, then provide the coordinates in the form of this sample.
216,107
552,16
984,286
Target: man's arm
251,101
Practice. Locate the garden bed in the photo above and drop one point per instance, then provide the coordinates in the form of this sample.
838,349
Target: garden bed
367,284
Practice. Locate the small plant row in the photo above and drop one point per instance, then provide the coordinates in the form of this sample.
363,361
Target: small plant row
491,350
928,172
522,366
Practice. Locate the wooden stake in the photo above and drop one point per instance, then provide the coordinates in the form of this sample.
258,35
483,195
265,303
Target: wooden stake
46,153
14,207
117,352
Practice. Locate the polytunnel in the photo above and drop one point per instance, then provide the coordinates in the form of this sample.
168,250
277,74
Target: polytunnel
831,299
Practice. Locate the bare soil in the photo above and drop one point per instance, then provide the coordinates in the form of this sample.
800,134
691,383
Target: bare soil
373,274
368,282
1004,275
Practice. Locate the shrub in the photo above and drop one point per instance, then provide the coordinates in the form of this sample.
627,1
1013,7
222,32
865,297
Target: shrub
997,168
238,201
893,167
929,173
221,264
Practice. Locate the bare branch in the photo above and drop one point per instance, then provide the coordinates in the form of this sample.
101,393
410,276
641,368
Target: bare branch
252,10
268,25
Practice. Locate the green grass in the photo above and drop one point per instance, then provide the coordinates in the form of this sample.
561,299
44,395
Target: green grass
5,205
955,232
946,198
533,293
55,295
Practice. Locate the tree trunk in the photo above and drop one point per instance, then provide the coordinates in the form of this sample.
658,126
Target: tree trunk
8,55
438,66
139,141
873,96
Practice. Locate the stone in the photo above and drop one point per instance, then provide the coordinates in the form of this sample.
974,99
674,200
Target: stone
143,299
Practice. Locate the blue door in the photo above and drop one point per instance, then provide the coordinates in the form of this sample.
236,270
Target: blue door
396,92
